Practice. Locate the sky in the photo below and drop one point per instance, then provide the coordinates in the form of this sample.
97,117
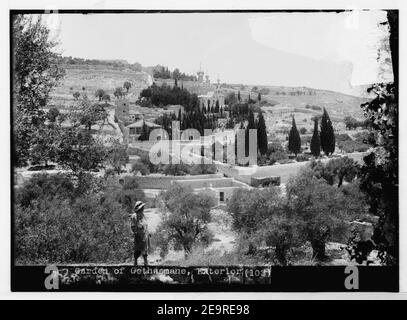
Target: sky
320,50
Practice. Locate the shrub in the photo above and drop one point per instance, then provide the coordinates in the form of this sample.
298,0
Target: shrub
46,186
342,137
275,147
302,157
57,231
60,221
152,168
176,169
362,137
197,169
353,146
140,167
278,157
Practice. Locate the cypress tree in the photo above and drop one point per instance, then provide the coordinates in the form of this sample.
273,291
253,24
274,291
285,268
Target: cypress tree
294,139
262,135
315,141
144,132
327,135
259,97
238,96
251,124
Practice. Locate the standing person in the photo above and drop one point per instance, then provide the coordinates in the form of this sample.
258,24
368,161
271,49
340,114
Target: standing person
140,231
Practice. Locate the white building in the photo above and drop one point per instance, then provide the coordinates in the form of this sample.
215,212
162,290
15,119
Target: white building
211,99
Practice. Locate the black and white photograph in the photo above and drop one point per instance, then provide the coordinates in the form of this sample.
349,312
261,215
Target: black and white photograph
204,150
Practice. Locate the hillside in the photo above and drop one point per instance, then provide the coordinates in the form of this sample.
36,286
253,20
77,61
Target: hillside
93,77
338,104
107,77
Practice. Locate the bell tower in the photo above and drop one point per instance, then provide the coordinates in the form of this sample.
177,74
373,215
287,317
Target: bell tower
200,74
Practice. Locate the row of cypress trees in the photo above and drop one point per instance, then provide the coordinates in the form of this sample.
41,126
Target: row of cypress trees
323,140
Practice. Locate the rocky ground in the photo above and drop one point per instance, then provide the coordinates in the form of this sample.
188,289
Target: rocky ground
225,240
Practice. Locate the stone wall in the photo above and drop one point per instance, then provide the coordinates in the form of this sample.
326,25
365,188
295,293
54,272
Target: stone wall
211,183
221,195
164,182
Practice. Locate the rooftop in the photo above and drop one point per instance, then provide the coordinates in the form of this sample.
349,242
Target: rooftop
139,124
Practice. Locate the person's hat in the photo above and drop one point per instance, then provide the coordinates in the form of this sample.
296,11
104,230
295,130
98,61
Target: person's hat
138,206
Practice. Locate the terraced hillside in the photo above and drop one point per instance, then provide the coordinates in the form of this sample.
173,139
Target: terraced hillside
338,105
91,78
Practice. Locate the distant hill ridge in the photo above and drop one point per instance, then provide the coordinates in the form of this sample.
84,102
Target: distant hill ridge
109,74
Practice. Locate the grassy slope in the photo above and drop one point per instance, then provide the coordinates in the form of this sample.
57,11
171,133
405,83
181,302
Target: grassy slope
95,77
336,103
108,78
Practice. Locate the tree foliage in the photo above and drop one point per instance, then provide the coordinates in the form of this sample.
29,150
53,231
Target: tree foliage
79,151
57,222
327,135
336,170
165,95
262,135
294,139
185,219
35,73
323,210
117,156
100,94
127,85
315,141
379,174
119,93
91,113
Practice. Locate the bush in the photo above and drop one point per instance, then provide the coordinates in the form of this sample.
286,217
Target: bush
352,146
302,157
197,169
275,147
152,168
57,231
45,186
342,137
176,169
275,152
140,167
60,221
362,137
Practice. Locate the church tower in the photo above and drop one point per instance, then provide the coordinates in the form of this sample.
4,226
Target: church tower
200,74
207,81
